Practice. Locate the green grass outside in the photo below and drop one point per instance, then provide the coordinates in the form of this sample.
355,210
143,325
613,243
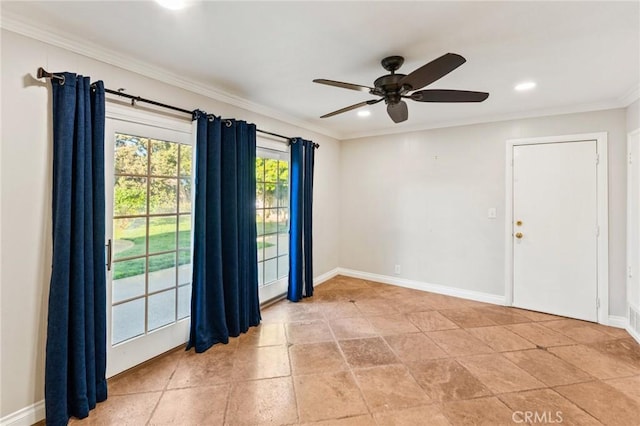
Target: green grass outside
163,238
272,227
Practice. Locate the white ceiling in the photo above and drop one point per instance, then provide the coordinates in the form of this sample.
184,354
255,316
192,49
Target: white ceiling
583,55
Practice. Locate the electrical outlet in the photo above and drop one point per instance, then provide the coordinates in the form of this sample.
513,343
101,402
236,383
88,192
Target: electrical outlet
491,213
397,270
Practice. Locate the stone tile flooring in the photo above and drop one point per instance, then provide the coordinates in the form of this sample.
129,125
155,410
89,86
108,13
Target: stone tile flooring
364,353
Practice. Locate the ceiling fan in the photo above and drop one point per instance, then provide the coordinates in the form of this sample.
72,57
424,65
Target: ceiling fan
393,88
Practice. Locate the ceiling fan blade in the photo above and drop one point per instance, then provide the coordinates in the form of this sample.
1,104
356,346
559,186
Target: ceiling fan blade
350,107
343,85
448,96
398,112
433,71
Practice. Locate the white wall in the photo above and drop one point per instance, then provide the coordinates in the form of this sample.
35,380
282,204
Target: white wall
25,179
420,200
633,116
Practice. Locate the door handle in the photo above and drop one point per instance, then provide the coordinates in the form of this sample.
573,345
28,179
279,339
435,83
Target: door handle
109,254
519,235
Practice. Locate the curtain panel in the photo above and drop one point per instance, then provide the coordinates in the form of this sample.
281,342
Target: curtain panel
300,231
224,300
76,330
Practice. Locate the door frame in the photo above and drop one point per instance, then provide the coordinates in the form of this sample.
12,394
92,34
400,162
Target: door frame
602,214
633,256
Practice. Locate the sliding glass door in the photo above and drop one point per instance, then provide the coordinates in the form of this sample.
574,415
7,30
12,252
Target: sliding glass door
149,185
272,219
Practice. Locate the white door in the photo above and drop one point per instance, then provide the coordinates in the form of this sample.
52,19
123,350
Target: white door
555,228
148,179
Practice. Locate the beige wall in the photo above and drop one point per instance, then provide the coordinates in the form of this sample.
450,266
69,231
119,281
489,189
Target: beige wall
420,200
26,197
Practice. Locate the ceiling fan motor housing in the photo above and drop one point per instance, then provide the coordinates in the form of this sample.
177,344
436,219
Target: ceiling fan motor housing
390,88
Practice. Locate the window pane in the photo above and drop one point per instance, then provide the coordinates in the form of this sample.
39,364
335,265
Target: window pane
164,158
270,273
185,195
270,246
162,309
270,221
162,271
259,169
130,268
184,270
270,170
270,194
283,171
282,194
184,301
283,243
259,195
260,248
128,321
283,266
162,234
260,222
186,155
131,155
129,196
283,220
128,279
184,237
162,193
260,274
129,237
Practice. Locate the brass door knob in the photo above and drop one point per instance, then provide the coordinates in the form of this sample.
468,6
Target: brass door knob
518,235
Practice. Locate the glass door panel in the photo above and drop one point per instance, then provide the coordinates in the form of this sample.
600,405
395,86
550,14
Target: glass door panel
149,169
272,221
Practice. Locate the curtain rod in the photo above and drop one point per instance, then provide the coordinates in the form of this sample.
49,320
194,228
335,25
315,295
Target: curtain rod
42,73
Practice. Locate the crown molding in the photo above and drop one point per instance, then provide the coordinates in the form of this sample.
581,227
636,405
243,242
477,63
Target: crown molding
597,106
16,23
630,96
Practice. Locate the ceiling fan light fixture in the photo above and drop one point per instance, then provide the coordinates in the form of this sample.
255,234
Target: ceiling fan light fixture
524,86
364,113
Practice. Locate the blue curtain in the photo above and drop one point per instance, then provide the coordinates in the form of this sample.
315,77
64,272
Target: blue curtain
224,300
300,233
76,331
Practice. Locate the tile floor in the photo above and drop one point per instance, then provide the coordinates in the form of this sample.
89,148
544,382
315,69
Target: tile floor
364,353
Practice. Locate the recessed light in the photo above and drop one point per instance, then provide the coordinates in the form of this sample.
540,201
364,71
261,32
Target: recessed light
527,85
364,113
172,4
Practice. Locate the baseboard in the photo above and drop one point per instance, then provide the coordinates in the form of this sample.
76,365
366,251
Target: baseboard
26,416
618,322
633,334
419,285
633,325
325,277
